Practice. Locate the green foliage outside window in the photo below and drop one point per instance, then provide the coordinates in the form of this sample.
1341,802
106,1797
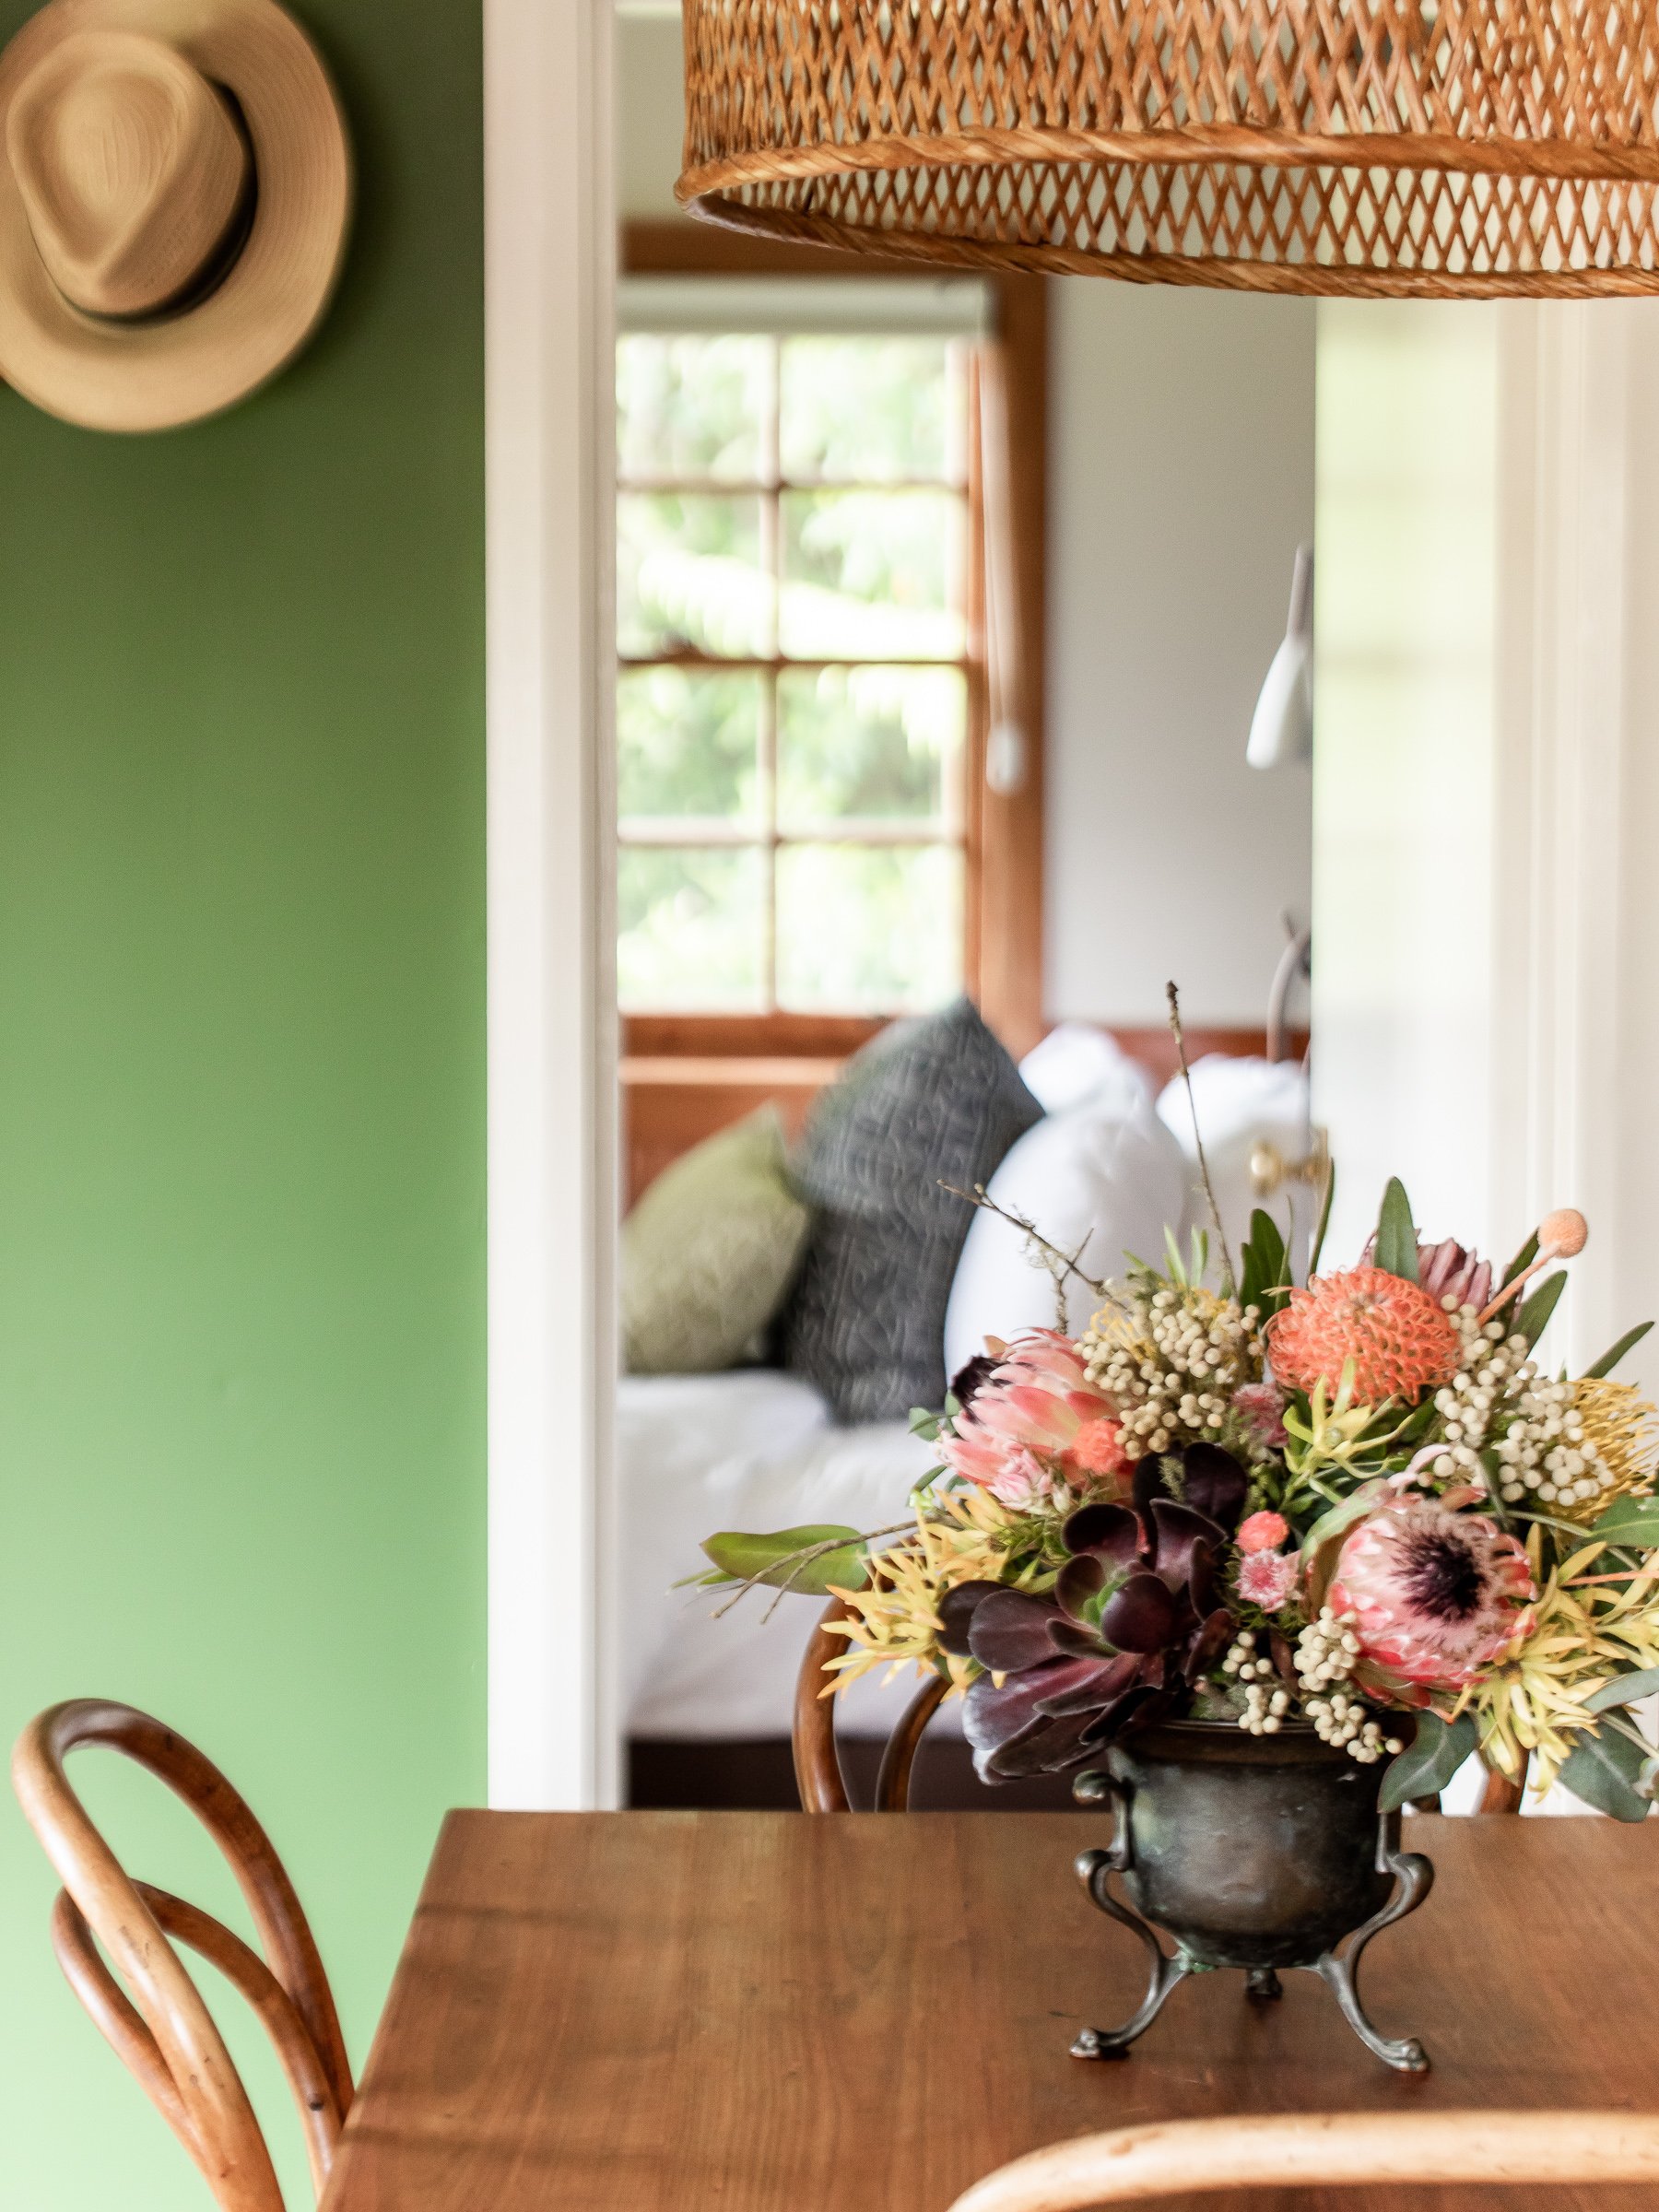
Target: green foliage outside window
792,834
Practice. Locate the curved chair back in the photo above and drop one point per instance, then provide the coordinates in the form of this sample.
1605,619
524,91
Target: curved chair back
1325,2150
818,1769
1503,1795
163,2030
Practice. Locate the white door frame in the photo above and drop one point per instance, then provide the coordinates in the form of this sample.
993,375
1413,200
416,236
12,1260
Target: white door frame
550,259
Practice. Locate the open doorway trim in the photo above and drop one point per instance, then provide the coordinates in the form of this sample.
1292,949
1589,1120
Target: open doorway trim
549,254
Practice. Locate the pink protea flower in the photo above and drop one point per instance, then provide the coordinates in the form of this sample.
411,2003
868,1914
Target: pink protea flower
1021,1480
1446,1270
1034,1419
1433,1593
1267,1578
1263,1532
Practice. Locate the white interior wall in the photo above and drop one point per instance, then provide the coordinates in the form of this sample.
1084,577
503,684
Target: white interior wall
1180,482
1487,799
1407,706
1634,1031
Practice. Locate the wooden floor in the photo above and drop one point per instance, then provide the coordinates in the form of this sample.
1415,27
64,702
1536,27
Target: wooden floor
680,2012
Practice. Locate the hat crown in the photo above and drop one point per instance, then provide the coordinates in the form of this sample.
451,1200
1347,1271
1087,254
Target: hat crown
130,169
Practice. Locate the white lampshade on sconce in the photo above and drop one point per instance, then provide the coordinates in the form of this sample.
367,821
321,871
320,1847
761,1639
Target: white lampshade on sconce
1281,729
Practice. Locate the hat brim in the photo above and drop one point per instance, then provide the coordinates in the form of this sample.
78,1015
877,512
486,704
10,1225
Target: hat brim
153,375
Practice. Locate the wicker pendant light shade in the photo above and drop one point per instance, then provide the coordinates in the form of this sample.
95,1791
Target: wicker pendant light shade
1445,148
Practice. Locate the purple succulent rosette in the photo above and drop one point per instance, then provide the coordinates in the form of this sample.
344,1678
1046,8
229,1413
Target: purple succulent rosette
1136,1616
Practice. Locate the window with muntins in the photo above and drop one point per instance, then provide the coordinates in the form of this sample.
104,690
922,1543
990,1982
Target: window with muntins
800,696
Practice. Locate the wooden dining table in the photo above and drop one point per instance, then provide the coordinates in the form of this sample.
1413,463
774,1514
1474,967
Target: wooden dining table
764,2012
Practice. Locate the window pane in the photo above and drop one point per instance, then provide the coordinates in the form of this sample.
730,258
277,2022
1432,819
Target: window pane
689,575
691,929
691,407
871,575
864,409
687,745
868,929
869,743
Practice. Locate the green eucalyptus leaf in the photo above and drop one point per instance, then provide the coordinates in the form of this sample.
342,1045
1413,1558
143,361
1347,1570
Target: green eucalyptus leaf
1427,1763
1626,1691
1522,1260
1632,1522
1397,1234
925,1424
1534,1315
789,1559
1263,1283
1603,1770
1172,1253
1415,1425
1627,1342
1324,1220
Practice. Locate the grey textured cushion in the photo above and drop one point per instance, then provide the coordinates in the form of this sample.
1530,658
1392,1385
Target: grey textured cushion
931,1101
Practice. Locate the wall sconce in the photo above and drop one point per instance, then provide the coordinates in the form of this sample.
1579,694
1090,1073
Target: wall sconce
1281,729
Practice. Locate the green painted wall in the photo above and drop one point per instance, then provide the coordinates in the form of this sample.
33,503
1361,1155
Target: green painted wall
241,1074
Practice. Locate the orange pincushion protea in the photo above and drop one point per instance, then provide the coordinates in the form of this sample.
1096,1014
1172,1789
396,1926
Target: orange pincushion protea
1400,1341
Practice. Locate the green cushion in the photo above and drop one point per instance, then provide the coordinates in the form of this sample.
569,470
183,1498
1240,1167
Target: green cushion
709,1251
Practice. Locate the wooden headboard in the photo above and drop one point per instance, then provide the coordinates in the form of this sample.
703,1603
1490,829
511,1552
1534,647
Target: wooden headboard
673,1096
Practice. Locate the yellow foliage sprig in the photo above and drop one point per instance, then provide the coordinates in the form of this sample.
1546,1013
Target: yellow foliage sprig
960,1537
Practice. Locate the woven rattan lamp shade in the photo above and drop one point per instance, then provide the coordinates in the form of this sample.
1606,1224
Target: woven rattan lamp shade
1437,147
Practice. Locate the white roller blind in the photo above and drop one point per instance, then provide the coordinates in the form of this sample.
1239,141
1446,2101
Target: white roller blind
958,307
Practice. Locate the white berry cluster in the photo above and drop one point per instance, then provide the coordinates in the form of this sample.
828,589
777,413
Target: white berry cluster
1326,1652
1266,1701
1499,1401
1177,1380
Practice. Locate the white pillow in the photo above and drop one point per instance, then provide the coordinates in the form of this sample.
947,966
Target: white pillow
1241,1104
1075,1062
1108,1171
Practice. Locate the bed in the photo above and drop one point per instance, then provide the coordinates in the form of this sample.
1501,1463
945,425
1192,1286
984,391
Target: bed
709,1699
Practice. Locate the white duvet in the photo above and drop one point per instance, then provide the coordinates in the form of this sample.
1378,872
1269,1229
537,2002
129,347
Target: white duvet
752,1449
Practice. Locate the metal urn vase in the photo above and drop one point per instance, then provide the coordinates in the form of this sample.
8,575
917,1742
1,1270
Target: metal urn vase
1261,1853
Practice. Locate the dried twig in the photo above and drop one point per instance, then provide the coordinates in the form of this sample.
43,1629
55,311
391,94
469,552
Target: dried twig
1060,1264
1210,1192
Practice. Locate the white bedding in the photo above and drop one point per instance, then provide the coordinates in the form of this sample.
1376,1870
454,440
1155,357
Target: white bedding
753,1450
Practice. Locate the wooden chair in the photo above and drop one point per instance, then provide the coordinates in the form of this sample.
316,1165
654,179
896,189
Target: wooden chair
1503,1795
817,1769
163,2030
1340,2150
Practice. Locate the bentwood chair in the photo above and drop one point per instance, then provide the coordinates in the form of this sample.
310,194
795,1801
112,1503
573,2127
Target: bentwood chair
163,2030
817,1769
1325,2150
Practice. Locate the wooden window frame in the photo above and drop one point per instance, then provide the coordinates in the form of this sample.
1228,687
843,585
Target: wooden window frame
1003,952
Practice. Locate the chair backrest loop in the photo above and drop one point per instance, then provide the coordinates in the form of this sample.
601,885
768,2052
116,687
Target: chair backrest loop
1323,2151
163,2030
817,1763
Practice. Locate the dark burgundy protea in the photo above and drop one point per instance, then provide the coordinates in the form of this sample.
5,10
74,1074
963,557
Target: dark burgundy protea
969,1381
1135,1618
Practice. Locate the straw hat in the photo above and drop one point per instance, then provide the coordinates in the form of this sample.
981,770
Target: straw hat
174,190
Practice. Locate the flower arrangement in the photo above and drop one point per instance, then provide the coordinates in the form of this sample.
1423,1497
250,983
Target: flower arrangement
1359,1503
